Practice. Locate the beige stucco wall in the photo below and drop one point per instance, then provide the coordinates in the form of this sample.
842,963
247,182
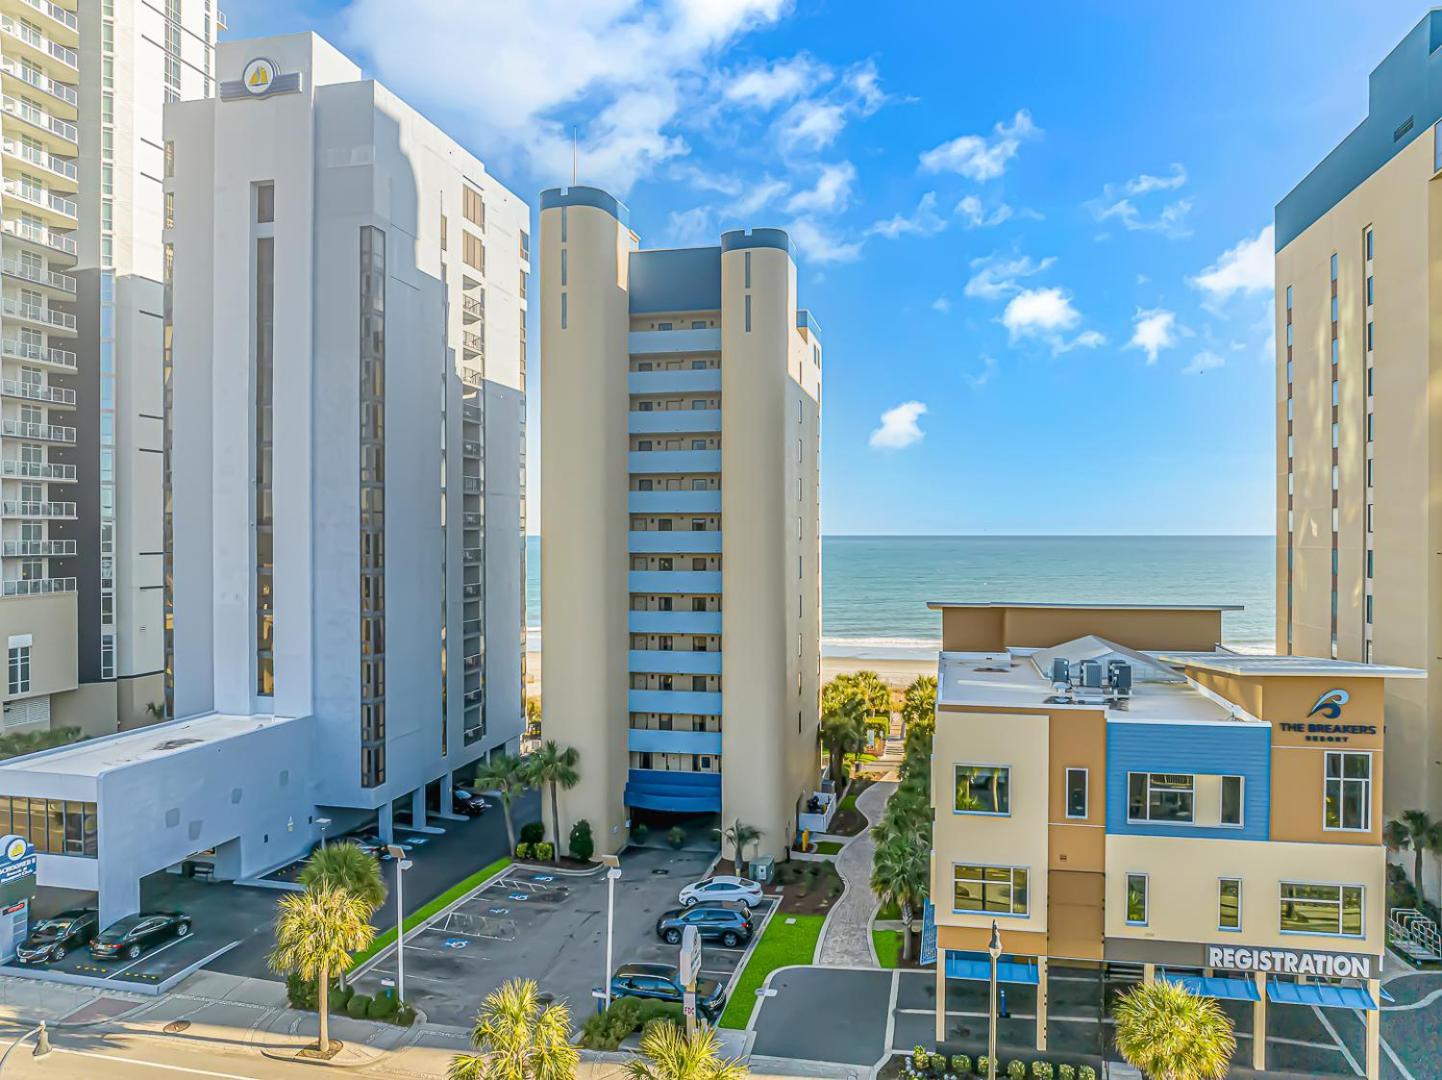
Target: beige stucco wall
50,621
1399,202
583,510
1000,626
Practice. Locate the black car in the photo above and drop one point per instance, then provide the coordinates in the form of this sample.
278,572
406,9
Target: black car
52,938
662,982
464,801
726,921
133,934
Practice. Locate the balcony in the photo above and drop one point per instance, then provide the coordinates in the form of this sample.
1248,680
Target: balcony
52,127
53,395
38,470
19,429
39,549
674,622
660,342
686,702
471,556
36,234
674,421
61,510
37,45
674,662
471,485
472,308
675,382
38,586
673,502
673,742
471,413
65,96
57,166
672,461
472,343
471,628
470,448
38,275
678,542
43,200
675,581
42,316
37,354
65,20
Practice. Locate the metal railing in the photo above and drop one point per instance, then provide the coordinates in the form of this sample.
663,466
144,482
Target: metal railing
471,485
56,12
37,470
37,274
39,42
38,586
23,430
471,341
473,307
37,509
38,234
40,118
35,313
39,548
24,350
40,81
40,159
56,395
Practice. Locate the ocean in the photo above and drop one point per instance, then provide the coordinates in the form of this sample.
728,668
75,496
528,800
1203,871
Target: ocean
875,588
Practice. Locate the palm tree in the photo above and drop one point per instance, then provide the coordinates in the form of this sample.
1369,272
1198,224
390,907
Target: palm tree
1171,1034
344,865
519,1038
507,777
553,765
668,1053
739,836
843,727
901,873
316,932
918,704
1419,832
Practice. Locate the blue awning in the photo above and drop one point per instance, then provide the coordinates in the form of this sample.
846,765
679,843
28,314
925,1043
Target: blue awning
1202,986
967,966
1323,994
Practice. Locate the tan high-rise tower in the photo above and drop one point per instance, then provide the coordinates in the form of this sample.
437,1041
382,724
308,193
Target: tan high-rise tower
680,555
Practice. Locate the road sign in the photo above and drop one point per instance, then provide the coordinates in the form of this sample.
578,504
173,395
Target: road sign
690,963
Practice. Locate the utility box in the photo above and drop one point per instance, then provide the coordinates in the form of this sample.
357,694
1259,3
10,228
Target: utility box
763,869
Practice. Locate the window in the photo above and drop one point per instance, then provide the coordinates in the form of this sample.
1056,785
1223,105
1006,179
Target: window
1136,899
983,789
1076,793
1231,800
1229,904
1321,909
473,207
1369,243
525,245
997,890
1348,791
747,265
19,669
53,826
473,252
748,309
1163,797
264,203
1334,266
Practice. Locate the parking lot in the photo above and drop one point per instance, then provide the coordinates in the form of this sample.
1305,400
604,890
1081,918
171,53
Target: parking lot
1301,1040
548,927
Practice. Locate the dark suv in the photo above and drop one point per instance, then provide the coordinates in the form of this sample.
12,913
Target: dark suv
661,982
728,922
52,938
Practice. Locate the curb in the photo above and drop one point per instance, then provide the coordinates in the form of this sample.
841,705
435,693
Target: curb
549,869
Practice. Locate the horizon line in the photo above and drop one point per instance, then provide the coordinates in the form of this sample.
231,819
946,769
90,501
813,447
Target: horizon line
1033,536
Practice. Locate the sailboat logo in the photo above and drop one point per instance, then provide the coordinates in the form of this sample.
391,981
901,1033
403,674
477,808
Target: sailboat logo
258,77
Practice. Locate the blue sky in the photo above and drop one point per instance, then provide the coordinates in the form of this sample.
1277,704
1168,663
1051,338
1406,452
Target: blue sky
1036,236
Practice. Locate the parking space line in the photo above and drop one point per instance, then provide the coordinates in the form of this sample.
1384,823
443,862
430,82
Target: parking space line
891,1012
1352,1061
1386,1049
146,956
149,1064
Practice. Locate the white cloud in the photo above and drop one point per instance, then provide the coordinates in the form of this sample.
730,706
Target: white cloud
829,195
813,122
768,85
982,157
1118,201
925,221
994,276
1203,362
941,304
977,379
755,197
1047,315
1153,331
898,428
820,243
690,228
624,70
1246,268
1145,184
975,216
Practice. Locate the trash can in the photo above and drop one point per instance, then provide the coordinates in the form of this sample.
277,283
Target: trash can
763,869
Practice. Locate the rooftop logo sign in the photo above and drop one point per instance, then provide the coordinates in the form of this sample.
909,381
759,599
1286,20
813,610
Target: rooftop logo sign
1330,704
261,78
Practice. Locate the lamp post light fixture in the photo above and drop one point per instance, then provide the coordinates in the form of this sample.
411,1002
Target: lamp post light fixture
324,823
398,853
613,874
993,949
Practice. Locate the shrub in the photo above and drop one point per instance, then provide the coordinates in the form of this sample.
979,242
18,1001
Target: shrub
582,844
1066,1072
983,1065
358,1007
920,1057
523,850
543,851
533,832
300,993
938,1063
382,1007
640,831
960,1064
1042,1070
340,998
1016,1070
405,1015
1086,1072
676,837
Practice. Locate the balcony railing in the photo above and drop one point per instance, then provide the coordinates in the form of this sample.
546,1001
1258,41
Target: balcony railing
32,114
38,470
472,342
38,41
471,627
471,448
40,81
471,414
56,395
38,234
38,196
21,430
471,485
56,12
35,313
40,159
42,549
38,586
473,307
37,274
472,556
38,509
24,350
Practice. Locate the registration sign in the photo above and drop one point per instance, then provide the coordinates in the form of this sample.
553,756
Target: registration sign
1328,965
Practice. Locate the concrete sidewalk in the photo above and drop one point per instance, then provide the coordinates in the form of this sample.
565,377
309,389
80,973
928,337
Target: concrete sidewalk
846,937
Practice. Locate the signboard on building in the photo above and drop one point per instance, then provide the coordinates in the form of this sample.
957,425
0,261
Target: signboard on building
928,936
261,78
17,869
1327,965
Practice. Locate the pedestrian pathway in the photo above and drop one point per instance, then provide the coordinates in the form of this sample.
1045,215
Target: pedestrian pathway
846,937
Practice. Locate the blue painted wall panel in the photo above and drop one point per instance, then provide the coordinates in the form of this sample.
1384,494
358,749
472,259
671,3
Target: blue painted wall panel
673,421
675,662
674,502
675,581
668,342
674,622
689,702
674,742
674,382
682,792
676,279
679,541
675,461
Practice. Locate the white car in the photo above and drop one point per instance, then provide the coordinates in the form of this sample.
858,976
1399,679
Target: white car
722,887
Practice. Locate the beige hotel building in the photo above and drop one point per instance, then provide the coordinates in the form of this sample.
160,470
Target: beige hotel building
1359,420
680,555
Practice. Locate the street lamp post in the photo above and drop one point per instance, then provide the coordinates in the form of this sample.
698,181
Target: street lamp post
324,823
613,874
993,949
402,863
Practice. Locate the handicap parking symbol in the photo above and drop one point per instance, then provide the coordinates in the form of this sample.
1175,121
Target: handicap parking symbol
519,896
500,911
543,877
417,841
456,943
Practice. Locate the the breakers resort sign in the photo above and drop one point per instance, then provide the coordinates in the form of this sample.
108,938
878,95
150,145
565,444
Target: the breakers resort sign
1292,962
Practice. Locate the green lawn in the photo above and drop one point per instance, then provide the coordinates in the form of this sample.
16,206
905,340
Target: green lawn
784,943
889,911
421,914
848,803
828,847
888,947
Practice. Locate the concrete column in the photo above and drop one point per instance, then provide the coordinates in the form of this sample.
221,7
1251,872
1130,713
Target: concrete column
940,995
1041,995
119,896
418,808
385,826
1374,1031
1259,1023
1149,973
448,784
